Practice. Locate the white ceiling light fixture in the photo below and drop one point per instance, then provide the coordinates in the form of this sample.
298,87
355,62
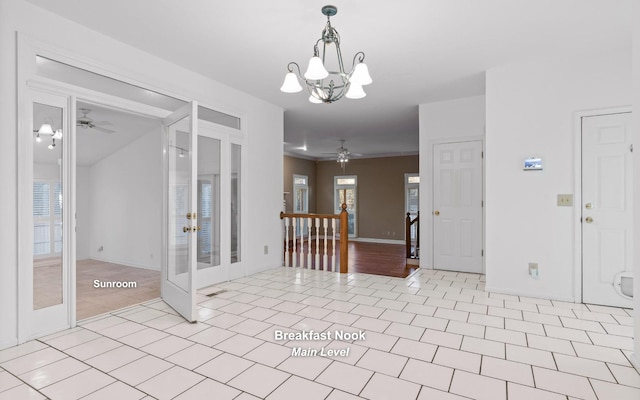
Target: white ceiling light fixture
46,129
328,86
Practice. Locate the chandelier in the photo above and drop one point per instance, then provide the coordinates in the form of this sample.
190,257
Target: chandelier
328,86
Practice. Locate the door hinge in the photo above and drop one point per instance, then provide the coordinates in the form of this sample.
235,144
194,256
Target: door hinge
482,253
482,154
631,147
481,203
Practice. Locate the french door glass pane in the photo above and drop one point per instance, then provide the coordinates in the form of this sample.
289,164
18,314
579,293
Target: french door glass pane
235,201
208,246
179,179
47,205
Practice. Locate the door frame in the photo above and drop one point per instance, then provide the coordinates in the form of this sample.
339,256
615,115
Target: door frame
426,234
577,190
27,50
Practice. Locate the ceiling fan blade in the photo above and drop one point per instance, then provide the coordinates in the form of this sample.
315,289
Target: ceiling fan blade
102,123
103,130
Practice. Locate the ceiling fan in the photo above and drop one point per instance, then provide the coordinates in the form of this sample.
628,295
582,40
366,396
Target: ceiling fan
87,123
343,154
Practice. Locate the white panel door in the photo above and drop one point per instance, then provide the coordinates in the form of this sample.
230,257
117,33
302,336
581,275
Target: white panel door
178,282
607,208
457,206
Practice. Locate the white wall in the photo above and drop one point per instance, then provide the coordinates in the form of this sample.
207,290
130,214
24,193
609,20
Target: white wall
83,210
263,122
530,112
636,180
443,121
126,204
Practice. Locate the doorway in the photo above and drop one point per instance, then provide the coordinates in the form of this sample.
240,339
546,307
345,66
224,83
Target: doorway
457,206
56,239
606,210
345,189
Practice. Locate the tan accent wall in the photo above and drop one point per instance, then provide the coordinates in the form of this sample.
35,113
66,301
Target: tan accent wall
380,201
299,166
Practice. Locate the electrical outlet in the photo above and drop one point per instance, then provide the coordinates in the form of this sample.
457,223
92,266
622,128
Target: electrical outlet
533,270
565,200
266,249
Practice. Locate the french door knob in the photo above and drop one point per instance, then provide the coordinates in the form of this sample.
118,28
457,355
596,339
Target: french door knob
436,213
588,206
185,229
588,220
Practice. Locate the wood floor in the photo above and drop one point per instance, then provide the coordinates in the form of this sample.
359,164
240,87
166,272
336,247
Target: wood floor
369,258
90,300
379,259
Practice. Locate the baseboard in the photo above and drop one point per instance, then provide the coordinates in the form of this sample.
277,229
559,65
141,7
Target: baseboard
635,361
8,343
127,264
372,240
535,295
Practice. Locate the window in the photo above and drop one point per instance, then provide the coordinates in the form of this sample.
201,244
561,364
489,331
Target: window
412,193
47,218
300,194
345,192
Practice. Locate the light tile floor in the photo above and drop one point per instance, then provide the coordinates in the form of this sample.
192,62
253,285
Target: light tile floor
434,335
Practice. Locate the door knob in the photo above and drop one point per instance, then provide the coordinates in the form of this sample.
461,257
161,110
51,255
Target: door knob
588,220
188,215
185,229
436,213
588,206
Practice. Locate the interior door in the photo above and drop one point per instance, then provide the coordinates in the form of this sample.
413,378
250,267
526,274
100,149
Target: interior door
47,215
178,281
457,206
607,242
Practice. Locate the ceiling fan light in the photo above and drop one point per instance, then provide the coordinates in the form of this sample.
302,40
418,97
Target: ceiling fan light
291,84
38,138
52,145
316,70
355,91
57,134
361,75
45,129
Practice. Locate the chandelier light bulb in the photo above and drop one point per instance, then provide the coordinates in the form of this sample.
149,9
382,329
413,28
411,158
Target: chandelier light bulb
314,99
57,134
52,145
316,70
45,129
361,75
291,84
355,92
38,138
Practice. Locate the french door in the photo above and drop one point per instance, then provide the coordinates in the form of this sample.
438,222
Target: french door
178,281
46,232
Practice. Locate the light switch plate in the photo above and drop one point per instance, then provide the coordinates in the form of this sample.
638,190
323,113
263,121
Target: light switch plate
565,200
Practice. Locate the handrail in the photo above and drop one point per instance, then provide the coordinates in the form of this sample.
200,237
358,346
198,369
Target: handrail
343,217
408,223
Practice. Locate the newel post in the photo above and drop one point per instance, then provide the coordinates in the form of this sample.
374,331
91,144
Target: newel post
407,234
344,240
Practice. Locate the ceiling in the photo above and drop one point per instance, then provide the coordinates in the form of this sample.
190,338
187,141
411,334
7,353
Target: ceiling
418,51
92,144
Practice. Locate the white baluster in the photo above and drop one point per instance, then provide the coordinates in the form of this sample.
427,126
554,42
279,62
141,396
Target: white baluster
325,257
317,243
286,242
333,243
295,242
309,243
